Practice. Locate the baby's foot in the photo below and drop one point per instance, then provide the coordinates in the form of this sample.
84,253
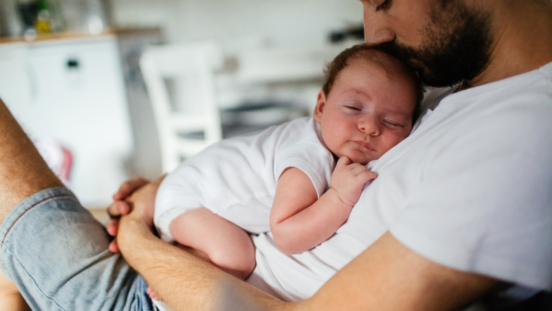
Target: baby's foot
152,295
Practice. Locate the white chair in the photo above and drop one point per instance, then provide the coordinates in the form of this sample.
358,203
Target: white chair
194,66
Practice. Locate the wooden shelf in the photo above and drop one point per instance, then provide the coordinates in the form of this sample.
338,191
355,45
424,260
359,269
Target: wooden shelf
81,35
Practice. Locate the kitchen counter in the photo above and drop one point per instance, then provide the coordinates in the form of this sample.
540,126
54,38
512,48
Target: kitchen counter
82,35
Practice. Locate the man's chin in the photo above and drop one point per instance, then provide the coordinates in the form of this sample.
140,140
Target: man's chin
432,78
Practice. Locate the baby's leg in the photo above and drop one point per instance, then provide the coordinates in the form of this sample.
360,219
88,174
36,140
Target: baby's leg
227,245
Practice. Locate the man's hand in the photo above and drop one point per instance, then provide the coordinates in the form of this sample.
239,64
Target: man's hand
348,180
137,195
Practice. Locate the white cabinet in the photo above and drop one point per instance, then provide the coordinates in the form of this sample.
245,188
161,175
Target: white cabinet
15,84
73,91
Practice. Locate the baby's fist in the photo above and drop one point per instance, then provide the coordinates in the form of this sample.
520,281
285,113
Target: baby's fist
348,179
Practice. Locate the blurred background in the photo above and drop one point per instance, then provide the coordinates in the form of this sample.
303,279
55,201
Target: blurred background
109,89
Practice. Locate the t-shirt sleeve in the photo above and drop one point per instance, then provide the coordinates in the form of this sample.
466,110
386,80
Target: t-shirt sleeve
483,203
312,159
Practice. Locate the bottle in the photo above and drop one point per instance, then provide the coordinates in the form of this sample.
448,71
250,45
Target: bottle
28,11
43,23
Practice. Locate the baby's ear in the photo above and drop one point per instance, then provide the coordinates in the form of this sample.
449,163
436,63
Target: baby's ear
319,108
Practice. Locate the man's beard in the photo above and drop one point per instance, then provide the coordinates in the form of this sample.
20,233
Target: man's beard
456,45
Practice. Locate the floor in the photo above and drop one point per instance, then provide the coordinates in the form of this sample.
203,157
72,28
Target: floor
100,214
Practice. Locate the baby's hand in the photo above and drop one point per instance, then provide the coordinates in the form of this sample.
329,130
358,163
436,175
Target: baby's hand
348,180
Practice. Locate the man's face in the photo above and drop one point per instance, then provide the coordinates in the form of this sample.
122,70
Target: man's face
443,40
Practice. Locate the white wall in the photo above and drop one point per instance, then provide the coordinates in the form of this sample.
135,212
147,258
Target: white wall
242,22
239,25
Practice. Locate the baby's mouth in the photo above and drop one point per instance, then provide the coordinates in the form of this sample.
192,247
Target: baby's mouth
365,145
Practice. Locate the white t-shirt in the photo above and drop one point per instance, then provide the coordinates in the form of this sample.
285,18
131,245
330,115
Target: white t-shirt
236,178
470,188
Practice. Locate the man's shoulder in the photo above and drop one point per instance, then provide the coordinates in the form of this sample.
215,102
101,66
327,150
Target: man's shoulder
501,119
532,86
434,95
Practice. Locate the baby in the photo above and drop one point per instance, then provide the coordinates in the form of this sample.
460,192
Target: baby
283,180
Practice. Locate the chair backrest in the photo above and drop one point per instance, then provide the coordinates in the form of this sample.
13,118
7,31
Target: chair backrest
195,64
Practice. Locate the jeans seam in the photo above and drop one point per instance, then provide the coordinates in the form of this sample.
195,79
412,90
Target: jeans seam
34,281
31,207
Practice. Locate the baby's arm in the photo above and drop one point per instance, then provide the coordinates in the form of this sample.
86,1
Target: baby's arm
299,221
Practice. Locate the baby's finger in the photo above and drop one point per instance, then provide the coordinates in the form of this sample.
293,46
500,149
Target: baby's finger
343,161
357,168
128,187
366,176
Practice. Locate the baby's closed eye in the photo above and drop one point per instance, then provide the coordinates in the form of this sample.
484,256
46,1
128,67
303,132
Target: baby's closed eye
392,123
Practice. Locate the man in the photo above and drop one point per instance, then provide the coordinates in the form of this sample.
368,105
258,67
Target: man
471,187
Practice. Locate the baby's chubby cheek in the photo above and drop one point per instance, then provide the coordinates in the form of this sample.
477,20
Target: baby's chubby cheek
390,141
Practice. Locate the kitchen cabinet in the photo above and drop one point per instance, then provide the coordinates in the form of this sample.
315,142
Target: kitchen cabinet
72,90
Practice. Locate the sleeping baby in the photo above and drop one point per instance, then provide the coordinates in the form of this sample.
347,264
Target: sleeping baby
299,180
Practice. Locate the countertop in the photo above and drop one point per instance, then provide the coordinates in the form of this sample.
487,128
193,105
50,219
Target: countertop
81,35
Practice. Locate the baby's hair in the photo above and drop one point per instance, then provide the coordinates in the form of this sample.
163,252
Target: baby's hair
366,52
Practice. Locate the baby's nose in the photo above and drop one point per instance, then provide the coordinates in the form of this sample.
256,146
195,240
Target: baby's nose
369,126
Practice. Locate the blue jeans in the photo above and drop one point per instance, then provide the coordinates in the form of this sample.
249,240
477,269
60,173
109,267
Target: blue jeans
57,254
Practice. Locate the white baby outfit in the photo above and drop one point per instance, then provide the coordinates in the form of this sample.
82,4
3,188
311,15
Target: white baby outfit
236,178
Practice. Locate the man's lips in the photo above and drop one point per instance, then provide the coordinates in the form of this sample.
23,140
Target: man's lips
365,145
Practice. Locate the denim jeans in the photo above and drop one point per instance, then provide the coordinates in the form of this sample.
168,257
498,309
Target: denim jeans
57,254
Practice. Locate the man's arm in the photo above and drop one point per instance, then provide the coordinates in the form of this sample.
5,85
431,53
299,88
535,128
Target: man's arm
179,278
390,276
386,276
10,298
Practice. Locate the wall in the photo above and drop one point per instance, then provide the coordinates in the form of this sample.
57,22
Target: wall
236,25
239,23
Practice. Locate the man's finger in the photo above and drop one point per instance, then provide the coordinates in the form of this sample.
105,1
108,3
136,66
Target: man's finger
117,209
112,227
128,187
113,246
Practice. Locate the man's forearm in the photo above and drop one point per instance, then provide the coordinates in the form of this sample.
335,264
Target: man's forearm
182,280
10,298
372,281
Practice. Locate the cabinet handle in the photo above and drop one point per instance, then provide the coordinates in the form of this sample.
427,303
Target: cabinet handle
73,63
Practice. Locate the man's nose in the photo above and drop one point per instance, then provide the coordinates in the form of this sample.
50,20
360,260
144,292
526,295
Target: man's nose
376,30
369,126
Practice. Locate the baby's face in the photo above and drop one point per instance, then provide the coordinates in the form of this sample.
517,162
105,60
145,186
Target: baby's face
367,112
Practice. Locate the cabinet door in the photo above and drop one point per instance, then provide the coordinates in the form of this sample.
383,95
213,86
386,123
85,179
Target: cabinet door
80,101
17,85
